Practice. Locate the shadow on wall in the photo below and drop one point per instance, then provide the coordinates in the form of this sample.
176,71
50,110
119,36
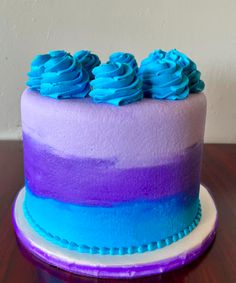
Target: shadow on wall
11,167
221,115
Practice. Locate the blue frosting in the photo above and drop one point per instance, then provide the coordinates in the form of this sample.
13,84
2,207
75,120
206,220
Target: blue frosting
162,78
37,69
122,57
94,229
60,76
88,60
153,56
162,75
116,83
190,69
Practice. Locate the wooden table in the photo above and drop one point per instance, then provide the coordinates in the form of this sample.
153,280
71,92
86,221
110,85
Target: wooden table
217,265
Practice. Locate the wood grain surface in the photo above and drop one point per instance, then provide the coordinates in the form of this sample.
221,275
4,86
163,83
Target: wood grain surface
218,264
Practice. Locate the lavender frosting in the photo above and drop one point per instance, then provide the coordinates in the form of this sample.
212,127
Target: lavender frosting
104,131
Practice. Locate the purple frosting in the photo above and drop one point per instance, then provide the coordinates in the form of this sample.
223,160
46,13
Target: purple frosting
94,181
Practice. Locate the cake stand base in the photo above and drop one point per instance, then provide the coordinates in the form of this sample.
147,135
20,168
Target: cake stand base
162,260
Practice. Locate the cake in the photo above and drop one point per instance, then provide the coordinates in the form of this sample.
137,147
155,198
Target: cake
112,152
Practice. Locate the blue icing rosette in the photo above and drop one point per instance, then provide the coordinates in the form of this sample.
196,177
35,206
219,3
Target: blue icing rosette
88,60
116,83
122,57
61,76
36,71
163,79
156,55
190,69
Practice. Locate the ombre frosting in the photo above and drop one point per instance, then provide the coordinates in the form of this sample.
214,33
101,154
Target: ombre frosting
116,83
59,75
140,182
163,79
122,57
112,180
88,60
190,69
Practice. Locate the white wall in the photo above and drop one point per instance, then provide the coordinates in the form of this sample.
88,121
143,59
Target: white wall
204,29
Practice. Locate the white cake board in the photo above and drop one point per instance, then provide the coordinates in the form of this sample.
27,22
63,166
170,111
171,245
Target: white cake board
121,266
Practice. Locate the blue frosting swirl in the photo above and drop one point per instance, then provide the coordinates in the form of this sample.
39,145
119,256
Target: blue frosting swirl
122,57
36,71
163,79
116,83
153,56
156,55
190,69
88,60
60,76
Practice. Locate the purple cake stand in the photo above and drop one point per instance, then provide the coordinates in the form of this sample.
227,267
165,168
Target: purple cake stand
162,260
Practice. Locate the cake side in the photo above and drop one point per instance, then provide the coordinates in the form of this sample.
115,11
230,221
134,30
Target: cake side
95,164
